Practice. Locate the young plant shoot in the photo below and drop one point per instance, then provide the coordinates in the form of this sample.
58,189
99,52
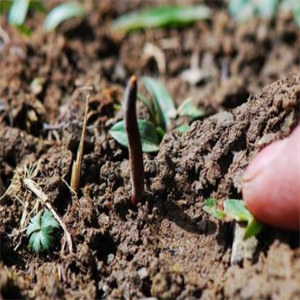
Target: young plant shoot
41,231
162,110
134,142
234,210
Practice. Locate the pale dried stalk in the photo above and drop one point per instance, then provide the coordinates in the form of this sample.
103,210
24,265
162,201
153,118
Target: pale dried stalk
34,188
76,168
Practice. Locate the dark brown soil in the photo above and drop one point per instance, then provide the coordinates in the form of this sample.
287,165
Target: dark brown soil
167,247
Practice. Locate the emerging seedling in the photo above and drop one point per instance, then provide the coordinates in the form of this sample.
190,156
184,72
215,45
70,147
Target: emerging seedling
18,11
244,10
161,17
23,188
162,110
134,142
61,13
234,210
41,231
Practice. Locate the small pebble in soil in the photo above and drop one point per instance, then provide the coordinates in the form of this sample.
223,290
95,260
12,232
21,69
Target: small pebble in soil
143,273
110,258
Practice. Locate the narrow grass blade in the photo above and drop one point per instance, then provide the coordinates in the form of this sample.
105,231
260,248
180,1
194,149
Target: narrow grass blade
18,12
61,13
164,104
161,17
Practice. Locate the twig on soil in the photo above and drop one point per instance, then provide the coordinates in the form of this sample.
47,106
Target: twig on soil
34,188
76,169
134,142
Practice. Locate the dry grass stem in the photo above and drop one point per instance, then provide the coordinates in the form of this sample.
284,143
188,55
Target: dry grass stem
76,169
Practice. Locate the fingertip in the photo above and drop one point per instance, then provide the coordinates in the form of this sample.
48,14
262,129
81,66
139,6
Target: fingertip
271,190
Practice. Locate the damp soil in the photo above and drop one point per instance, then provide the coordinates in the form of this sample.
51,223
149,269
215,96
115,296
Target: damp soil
167,247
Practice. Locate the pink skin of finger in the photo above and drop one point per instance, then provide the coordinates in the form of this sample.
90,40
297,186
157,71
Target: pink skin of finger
271,186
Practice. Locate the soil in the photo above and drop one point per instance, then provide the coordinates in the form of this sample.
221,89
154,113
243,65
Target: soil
167,247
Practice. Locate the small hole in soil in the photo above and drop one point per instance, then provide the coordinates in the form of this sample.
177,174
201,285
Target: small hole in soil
197,293
107,246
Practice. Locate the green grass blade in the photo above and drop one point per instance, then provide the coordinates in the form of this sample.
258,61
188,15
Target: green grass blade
61,13
18,12
164,104
161,17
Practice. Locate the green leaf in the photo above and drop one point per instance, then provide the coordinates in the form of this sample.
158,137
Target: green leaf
161,17
148,133
48,221
37,5
188,108
34,225
294,6
210,206
254,227
267,8
241,10
41,231
25,30
161,132
146,102
164,104
5,6
236,209
183,128
61,13
18,12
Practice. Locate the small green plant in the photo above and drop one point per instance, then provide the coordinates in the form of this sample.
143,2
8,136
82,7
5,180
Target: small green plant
292,6
234,210
163,16
61,13
162,111
18,11
41,231
244,10
149,137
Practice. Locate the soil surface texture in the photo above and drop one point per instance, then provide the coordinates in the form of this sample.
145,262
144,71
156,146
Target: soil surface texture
167,247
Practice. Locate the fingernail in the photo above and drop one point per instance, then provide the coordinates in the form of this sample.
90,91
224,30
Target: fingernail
263,160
